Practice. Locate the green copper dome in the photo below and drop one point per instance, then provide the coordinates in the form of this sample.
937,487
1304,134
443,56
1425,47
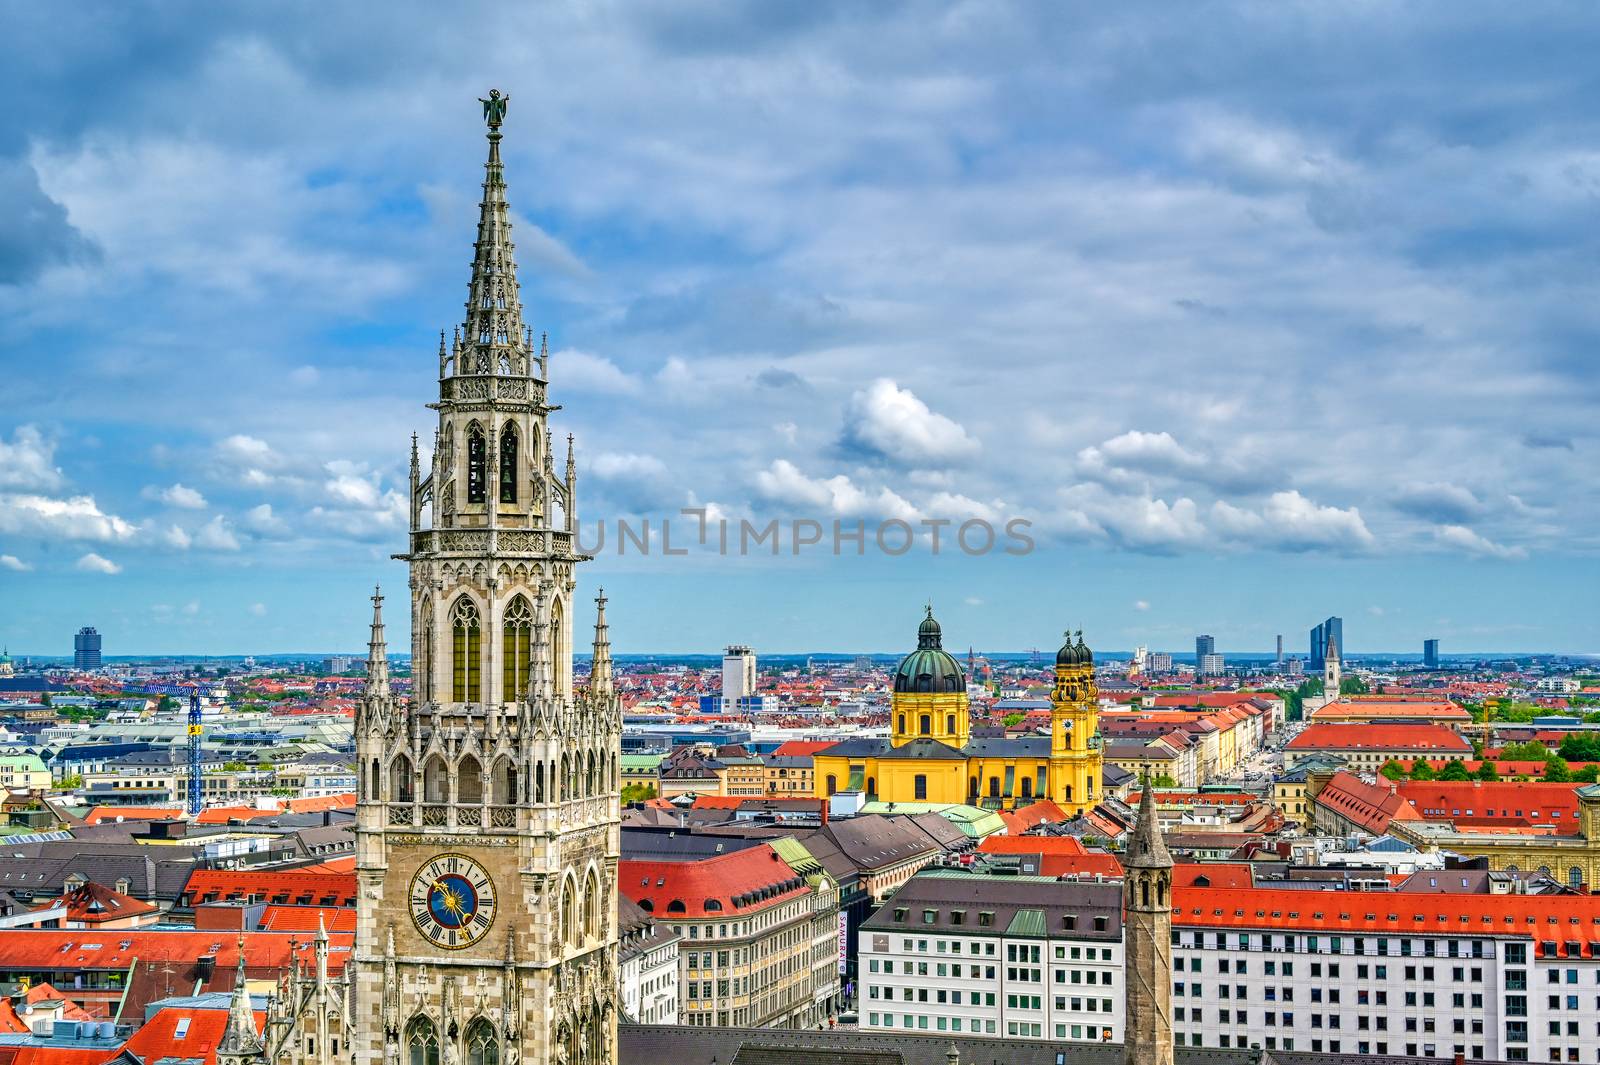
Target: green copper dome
1074,654
930,668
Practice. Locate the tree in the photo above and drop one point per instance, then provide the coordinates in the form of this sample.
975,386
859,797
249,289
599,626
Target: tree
44,699
1576,747
1556,771
1487,771
1589,774
1455,770
1012,720
1163,780
166,704
637,792
1531,751
74,780
1421,770
1353,686
1393,770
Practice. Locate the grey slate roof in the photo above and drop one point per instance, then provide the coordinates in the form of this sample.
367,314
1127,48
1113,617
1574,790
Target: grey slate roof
946,892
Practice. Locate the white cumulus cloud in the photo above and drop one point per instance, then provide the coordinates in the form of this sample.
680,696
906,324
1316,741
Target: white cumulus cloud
75,518
177,495
12,562
93,563
215,535
28,461
783,482
1464,539
887,420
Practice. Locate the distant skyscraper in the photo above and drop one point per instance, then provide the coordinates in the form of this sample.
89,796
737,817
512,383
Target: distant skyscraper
738,674
1319,641
1203,645
1280,648
1211,665
86,649
1159,662
1430,654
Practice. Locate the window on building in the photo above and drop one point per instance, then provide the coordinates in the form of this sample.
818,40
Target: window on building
920,787
467,651
508,464
476,461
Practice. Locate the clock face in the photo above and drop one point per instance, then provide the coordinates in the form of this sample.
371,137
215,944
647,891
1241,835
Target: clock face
452,901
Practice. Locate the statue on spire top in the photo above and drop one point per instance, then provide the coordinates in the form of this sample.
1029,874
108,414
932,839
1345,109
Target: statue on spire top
494,108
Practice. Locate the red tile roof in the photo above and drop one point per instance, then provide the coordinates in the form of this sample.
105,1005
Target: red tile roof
1554,917
1031,816
304,918
1369,807
1213,874
740,882
95,904
1338,737
158,1037
1381,709
131,813
346,801
1488,803
1058,855
802,748
281,886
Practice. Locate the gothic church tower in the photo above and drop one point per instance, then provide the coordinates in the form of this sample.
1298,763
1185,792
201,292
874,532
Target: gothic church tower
487,823
1147,935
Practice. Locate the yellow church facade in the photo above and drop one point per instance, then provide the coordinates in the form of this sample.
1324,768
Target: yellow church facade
931,755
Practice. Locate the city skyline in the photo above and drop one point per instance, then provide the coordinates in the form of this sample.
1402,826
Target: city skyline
205,460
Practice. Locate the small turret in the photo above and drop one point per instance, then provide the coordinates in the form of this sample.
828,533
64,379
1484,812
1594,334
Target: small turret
600,666
240,1043
377,652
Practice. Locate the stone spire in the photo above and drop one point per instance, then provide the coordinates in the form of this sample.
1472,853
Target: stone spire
1146,849
1147,940
240,1043
600,664
377,652
494,334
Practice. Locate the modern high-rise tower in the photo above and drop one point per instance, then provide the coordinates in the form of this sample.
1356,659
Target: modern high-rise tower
487,832
1430,654
86,649
738,675
1203,645
1319,641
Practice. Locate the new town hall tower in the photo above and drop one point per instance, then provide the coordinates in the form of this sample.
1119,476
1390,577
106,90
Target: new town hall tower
487,824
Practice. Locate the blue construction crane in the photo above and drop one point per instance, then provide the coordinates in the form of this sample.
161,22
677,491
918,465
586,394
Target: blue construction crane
194,752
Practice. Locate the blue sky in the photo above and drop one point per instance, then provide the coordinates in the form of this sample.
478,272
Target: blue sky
1258,312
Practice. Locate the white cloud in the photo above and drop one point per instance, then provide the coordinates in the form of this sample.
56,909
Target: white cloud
890,421
1464,539
192,607
177,495
258,609
93,563
972,600
356,491
582,372
29,460
77,518
175,537
248,451
1291,522
1141,605
263,522
215,535
957,507
784,483
304,376
611,464
1438,501
12,562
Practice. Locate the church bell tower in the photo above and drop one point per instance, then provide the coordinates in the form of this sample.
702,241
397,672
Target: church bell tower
487,823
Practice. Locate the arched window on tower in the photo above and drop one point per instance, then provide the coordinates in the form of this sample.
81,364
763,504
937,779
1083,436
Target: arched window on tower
400,780
950,724
508,464
435,780
483,1046
560,649
467,652
925,725
469,781
476,456
424,669
516,652
422,1043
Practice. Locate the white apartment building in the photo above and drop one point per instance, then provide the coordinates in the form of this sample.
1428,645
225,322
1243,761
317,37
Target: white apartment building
1002,955
1418,974
738,674
647,967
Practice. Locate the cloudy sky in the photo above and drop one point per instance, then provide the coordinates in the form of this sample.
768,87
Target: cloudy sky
1258,312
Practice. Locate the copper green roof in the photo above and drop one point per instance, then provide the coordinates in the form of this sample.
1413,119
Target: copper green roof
1027,923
